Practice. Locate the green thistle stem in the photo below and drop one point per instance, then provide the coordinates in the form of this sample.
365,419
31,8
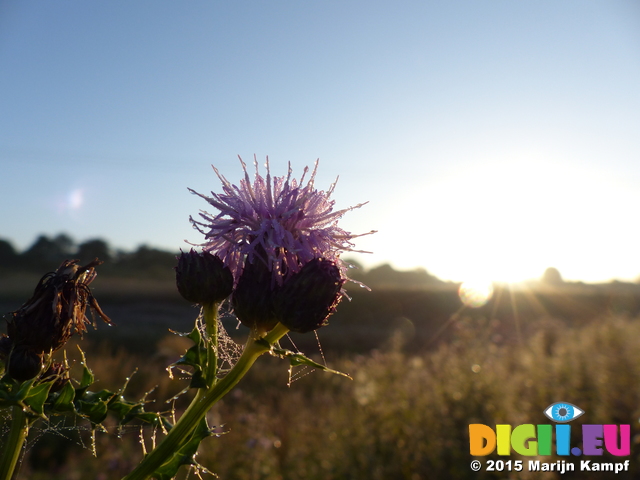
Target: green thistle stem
13,446
210,312
203,401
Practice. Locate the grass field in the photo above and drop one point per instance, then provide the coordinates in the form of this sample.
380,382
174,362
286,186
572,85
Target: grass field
423,369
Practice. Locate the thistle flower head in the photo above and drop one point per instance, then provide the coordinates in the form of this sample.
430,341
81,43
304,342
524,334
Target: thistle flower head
279,221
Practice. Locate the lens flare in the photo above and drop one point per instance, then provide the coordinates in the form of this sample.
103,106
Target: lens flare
475,293
75,199
70,202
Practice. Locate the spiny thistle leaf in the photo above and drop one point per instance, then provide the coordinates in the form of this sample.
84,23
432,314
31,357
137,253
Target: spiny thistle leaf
24,389
37,397
296,359
63,400
121,407
127,411
185,455
195,357
95,412
87,376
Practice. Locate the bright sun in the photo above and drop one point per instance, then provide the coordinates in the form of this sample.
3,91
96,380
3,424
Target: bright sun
509,221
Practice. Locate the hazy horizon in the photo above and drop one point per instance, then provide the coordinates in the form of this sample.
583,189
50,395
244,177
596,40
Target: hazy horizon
349,257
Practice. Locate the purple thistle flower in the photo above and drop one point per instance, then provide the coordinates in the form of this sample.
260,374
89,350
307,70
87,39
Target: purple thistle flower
279,221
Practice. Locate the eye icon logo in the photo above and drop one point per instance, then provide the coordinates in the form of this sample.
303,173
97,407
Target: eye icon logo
562,412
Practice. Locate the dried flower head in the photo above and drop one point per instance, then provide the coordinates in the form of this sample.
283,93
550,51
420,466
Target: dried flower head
49,318
279,221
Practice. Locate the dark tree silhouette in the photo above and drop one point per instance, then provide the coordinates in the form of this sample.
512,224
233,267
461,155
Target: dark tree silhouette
65,244
8,255
46,253
148,261
95,248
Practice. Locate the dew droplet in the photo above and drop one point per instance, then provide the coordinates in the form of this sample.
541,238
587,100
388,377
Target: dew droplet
141,436
94,450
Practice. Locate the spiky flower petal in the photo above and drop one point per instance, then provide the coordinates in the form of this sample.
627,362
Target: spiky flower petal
281,240
280,221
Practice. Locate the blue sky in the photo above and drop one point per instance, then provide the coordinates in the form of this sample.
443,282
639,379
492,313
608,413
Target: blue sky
492,138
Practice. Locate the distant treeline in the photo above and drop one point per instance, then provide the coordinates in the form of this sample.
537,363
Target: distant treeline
47,253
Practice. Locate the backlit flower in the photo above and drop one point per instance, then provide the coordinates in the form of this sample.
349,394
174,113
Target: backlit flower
267,231
281,221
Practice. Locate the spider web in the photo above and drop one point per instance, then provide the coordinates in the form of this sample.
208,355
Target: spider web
299,372
228,350
76,430
67,428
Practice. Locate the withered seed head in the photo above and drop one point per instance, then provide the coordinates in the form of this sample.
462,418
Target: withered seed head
49,318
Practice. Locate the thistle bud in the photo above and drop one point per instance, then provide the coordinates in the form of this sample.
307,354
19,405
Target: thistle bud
23,364
310,296
254,296
202,278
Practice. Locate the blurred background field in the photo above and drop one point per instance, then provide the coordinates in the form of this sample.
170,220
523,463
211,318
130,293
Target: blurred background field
424,367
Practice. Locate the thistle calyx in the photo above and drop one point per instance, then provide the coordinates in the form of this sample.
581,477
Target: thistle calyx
310,296
253,298
202,278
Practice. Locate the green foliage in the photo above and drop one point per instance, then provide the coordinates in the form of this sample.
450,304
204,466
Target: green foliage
185,455
63,400
36,398
298,359
195,357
